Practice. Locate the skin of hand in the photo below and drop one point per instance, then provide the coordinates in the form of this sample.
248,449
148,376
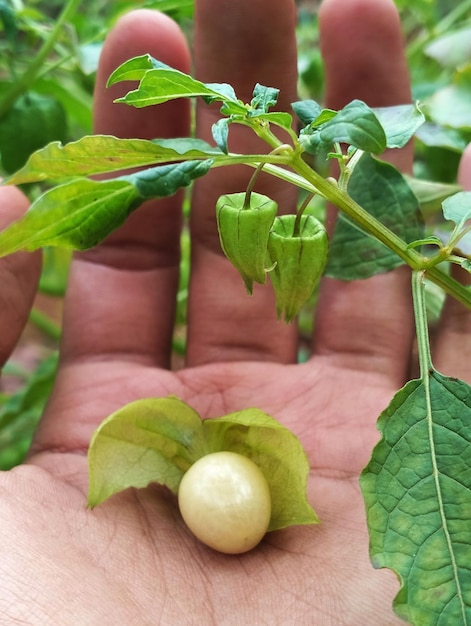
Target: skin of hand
132,560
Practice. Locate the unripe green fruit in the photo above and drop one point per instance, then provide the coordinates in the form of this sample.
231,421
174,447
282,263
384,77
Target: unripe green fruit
225,501
298,261
243,232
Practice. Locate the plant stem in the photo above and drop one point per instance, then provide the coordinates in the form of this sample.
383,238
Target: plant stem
24,82
45,324
421,326
374,227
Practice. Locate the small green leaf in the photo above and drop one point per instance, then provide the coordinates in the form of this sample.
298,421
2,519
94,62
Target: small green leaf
457,208
151,440
135,69
355,124
382,191
417,489
220,132
277,452
306,110
281,119
399,123
264,97
162,84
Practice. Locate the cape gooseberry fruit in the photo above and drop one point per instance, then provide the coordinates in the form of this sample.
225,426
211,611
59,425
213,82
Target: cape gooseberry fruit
225,501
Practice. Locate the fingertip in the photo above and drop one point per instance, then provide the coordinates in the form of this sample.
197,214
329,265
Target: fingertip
14,204
142,31
363,50
19,275
464,172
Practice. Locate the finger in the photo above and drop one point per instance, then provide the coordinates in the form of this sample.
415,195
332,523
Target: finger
121,295
366,324
241,43
19,275
452,350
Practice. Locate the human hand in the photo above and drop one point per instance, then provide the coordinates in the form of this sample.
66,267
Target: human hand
131,560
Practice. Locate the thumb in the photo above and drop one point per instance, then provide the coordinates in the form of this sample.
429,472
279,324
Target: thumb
19,275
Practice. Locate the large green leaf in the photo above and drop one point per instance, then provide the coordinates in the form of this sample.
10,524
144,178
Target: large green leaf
76,215
80,214
99,154
382,191
156,440
417,489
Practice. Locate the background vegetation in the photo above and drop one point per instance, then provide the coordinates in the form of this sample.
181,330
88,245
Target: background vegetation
48,58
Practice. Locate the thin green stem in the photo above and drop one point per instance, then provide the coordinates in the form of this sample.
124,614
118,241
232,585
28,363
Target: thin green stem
251,185
421,325
299,214
45,324
25,81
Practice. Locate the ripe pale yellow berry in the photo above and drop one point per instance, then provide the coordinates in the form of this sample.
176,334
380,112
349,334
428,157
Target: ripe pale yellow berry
225,501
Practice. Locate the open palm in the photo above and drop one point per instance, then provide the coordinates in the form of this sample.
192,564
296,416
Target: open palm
132,560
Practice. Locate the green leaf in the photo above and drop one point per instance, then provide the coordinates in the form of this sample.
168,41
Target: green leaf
455,98
264,97
277,452
436,136
80,214
417,489
161,83
452,49
21,412
284,120
306,110
135,69
76,215
165,180
382,191
151,440
220,132
33,121
399,123
355,124
457,208
156,440
98,154
9,22
430,194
